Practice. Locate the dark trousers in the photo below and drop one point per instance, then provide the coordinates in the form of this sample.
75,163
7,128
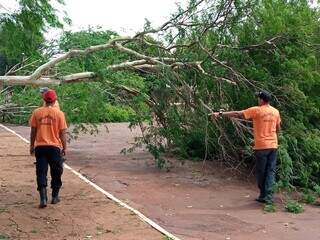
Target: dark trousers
266,161
48,155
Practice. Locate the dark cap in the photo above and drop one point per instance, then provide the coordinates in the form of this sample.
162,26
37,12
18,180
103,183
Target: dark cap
264,95
44,89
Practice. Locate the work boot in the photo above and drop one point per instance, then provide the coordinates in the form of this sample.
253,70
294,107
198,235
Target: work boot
43,197
55,196
269,199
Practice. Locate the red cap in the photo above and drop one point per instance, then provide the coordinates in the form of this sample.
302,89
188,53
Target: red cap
50,96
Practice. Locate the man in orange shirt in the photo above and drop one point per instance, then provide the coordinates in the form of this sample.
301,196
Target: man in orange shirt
266,126
48,142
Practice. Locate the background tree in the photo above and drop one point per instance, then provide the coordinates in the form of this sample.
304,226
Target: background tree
23,45
22,32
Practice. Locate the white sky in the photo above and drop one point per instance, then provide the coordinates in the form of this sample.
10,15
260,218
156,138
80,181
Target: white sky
123,16
120,15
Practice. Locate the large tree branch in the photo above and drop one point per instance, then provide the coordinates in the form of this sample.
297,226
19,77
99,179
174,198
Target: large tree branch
138,55
43,81
72,53
40,71
146,66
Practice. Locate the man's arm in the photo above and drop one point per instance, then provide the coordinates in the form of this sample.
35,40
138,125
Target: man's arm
278,128
33,134
231,114
63,138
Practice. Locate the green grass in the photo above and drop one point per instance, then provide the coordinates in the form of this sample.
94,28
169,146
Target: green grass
269,208
4,237
309,198
3,210
294,207
167,238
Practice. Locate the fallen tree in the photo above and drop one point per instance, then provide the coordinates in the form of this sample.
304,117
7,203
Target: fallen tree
212,55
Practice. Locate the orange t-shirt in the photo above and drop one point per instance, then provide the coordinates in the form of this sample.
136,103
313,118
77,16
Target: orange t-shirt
265,121
48,121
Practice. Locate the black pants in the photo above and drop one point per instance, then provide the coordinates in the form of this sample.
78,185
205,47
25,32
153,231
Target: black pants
48,155
266,161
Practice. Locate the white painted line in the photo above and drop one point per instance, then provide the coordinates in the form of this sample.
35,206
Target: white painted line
108,195
13,132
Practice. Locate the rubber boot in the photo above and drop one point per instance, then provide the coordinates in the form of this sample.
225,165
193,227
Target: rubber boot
55,196
43,197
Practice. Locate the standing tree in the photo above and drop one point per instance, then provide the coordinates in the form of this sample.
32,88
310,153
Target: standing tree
22,41
22,31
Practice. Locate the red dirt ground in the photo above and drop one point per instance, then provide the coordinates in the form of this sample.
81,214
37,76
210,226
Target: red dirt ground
184,201
83,213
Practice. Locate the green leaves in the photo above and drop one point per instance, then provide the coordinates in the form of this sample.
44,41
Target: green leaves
294,207
22,32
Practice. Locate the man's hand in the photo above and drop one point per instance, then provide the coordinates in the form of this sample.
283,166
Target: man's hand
31,150
63,137
232,114
33,134
214,115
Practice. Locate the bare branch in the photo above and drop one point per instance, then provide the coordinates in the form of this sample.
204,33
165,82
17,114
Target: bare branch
168,24
238,75
270,42
138,55
45,81
225,80
138,63
79,77
132,92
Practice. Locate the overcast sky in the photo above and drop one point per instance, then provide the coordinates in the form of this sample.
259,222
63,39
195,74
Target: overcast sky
123,16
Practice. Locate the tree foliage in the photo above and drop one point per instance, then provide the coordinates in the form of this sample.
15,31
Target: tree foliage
212,56
269,44
22,32
93,102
